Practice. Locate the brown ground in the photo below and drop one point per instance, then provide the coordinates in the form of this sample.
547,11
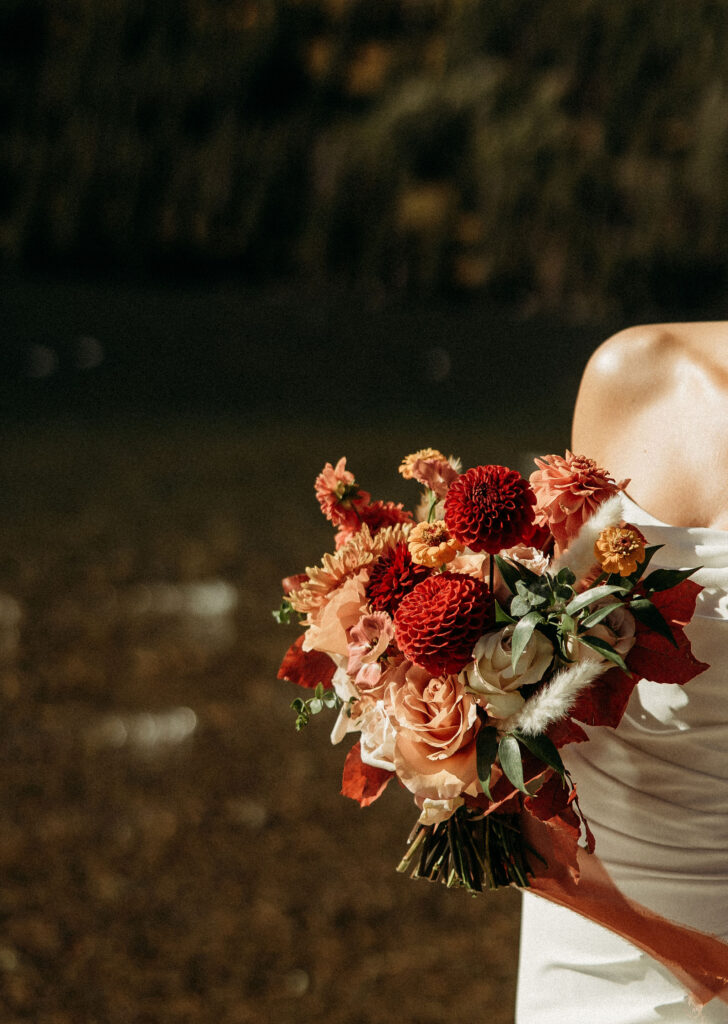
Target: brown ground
170,849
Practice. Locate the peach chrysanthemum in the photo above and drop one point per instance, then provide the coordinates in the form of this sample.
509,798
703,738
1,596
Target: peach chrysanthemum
339,495
432,544
409,462
620,549
356,554
568,491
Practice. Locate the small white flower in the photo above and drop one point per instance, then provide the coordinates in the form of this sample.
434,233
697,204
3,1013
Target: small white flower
435,811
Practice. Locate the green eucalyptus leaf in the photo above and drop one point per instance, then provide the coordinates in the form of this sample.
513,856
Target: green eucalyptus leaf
599,614
486,751
286,615
604,649
588,597
544,749
644,610
509,755
522,634
501,615
664,579
566,624
565,576
520,606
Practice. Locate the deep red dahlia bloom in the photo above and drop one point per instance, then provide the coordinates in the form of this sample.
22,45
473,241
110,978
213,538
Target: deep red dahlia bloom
438,624
392,576
377,516
489,508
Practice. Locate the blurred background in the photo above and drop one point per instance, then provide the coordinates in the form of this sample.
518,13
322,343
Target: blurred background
240,238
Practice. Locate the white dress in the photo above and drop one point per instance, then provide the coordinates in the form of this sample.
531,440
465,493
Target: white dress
655,792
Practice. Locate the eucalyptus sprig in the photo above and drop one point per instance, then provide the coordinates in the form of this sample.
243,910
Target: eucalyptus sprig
321,699
286,615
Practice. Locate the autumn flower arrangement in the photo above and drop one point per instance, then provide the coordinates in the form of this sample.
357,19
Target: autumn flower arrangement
467,643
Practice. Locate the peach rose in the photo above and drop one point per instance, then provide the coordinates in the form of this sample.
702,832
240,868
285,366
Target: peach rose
492,676
533,558
436,722
342,610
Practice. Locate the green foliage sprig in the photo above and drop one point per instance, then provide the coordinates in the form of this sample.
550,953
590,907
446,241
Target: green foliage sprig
286,615
550,604
306,707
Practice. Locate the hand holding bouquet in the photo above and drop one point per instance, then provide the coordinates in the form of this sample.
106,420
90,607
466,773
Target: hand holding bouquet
470,641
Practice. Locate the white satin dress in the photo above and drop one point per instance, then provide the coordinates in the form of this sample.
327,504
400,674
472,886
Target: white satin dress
655,792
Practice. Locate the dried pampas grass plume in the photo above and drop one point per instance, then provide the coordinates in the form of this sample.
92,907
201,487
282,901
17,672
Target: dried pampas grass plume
554,701
579,556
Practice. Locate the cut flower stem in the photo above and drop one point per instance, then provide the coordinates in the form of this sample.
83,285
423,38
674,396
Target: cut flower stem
471,850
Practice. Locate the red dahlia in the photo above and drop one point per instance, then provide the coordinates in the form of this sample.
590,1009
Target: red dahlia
489,508
392,576
438,624
377,516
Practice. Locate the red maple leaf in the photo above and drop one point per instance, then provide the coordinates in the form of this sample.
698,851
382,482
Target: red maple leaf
362,782
306,668
653,656
604,702
552,804
566,731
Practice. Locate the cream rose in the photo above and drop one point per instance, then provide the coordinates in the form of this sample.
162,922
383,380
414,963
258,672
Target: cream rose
492,676
436,722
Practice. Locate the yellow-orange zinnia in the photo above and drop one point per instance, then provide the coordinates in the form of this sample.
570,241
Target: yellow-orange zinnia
620,549
432,544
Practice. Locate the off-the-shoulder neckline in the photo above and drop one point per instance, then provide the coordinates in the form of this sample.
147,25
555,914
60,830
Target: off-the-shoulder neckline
654,521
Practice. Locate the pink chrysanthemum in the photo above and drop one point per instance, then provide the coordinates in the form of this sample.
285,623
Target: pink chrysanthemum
339,495
489,508
568,491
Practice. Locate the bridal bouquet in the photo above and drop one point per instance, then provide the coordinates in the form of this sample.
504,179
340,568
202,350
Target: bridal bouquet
469,641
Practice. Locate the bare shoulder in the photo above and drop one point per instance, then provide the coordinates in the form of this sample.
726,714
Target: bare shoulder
621,378
653,407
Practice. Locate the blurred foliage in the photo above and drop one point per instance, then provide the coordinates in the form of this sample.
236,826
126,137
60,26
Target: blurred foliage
567,155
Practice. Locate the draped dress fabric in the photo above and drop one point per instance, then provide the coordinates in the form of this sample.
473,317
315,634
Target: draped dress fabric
655,792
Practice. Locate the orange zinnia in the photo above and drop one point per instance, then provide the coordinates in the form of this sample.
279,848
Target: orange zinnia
432,544
620,549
